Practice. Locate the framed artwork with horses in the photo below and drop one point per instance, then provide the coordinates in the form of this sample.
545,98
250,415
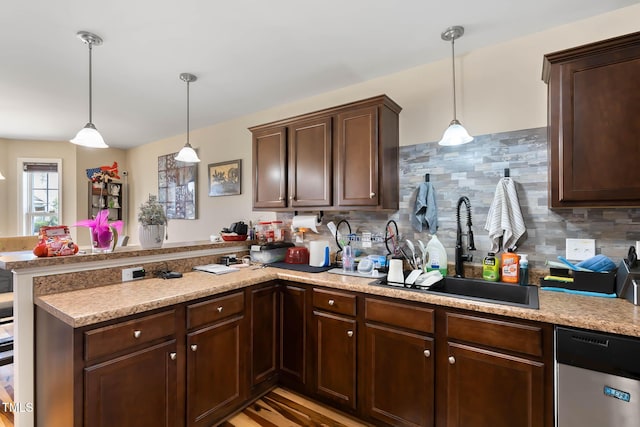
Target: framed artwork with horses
225,178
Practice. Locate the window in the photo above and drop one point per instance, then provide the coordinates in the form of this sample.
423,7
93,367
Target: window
41,194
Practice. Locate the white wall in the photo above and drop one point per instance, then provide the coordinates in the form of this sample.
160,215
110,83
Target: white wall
499,89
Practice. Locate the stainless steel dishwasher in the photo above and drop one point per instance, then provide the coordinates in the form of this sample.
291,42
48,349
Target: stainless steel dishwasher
597,379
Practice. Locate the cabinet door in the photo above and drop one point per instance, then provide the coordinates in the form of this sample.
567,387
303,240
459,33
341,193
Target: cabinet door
214,372
138,389
336,358
293,336
264,330
399,381
491,389
310,171
593,126
357,157
270,168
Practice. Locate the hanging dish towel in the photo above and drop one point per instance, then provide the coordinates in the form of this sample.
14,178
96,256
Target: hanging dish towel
505,217
425,211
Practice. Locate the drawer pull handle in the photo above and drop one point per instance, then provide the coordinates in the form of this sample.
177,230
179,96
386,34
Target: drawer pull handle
427,353
332,302
349,334
194,347
452,360
173,356
220,309
137,333
372,195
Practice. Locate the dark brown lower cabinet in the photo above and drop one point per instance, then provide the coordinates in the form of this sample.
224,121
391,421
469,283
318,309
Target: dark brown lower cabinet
263,302
389,361
214,371
293,336
399,376
493,371
486,388
335,352
137,389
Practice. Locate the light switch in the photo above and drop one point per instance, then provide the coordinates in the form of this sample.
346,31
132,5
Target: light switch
580,249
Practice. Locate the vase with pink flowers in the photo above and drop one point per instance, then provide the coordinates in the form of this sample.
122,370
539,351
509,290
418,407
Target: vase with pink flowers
104,234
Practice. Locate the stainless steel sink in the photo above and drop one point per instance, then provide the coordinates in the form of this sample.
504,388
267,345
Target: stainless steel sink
481,290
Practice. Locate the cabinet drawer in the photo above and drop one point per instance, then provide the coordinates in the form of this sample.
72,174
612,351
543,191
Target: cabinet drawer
121,336
335,302
215,309
495,333
398,314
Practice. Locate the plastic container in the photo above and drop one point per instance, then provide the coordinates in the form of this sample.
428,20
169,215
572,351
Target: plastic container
437,256
491,268
509,267
524,270
278,231
264,232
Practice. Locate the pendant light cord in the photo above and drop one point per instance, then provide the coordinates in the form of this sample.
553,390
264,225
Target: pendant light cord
90,85
188,114
453,66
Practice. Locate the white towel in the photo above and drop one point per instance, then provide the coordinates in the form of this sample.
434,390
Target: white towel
505,217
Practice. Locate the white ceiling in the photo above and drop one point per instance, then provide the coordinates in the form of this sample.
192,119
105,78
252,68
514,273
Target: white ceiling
248,55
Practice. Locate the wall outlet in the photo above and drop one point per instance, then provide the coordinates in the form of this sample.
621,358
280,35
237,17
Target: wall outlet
133,273
580,249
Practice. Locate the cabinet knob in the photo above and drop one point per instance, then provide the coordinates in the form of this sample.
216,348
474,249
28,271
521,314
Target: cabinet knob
427,353
452,360
372,195
220,309
349,334
331,302
194,347
280,198
137,333
173,356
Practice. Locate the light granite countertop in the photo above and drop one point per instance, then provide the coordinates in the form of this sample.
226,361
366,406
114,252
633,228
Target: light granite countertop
89,306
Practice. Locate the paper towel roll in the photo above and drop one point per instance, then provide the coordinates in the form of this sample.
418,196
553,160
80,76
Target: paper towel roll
306,221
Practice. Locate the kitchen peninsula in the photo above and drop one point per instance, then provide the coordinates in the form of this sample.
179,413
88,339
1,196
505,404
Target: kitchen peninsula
60,290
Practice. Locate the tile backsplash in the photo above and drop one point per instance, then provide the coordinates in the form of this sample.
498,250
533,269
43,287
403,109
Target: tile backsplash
473,170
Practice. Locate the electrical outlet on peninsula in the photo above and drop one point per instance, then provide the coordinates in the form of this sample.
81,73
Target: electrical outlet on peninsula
133,273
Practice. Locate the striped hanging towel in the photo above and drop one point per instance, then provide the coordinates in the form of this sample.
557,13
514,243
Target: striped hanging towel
505,217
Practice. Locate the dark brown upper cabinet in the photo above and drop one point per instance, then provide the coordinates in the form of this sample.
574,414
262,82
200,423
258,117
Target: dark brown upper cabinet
344,157
593,128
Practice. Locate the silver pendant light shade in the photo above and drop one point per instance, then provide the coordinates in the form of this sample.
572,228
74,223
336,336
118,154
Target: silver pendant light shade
187,154
455,134
89,136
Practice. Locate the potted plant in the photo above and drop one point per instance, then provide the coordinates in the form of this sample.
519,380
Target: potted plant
152,224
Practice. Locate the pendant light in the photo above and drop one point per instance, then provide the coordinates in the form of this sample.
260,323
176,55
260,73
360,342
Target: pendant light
455,134
89,136
187,154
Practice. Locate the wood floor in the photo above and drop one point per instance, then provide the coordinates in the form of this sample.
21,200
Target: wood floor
282,408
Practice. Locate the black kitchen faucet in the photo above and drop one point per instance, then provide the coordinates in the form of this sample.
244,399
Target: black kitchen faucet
460,255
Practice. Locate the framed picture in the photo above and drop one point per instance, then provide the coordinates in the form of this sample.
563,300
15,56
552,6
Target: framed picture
225,178
177,183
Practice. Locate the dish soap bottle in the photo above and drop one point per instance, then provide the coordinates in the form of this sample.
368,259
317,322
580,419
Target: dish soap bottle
491,268
524,270
437,256
509,267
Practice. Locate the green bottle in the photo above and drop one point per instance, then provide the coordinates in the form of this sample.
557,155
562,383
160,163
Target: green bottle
491,268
